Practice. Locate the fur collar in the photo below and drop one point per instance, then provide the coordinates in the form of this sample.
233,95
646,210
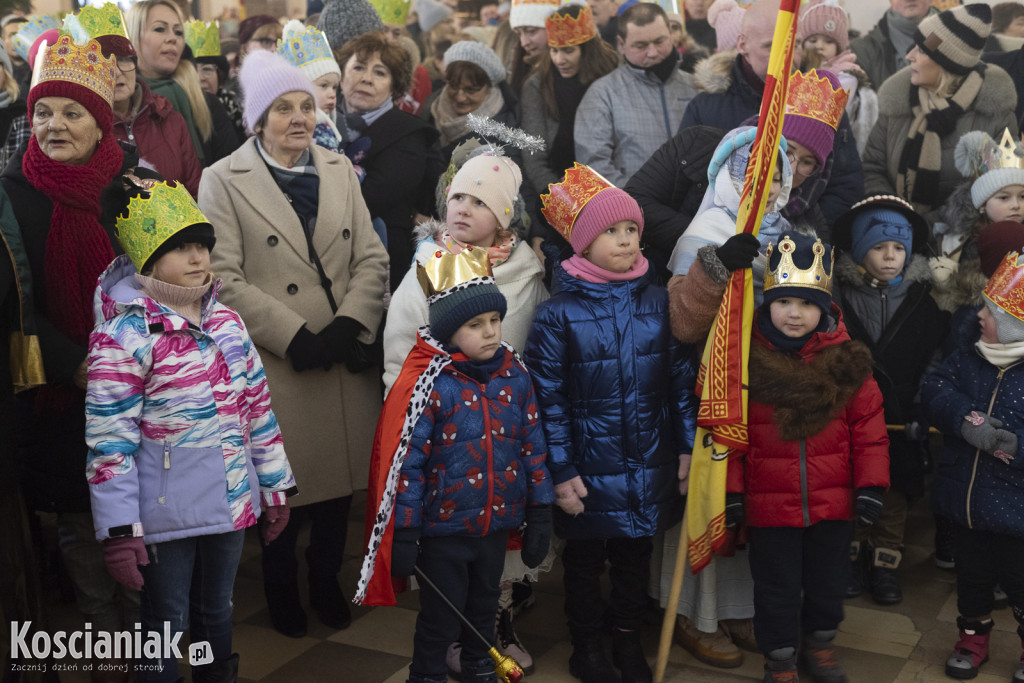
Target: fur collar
806,396
848,273
997,89
714,74
959,214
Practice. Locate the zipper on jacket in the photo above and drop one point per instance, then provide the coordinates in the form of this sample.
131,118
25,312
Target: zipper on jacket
664,111
977,452
805,505
489,449
164,474
885,312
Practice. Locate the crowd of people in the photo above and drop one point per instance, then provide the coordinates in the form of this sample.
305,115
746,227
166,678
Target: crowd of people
468,261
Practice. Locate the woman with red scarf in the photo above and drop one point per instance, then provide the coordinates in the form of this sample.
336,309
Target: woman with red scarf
66,191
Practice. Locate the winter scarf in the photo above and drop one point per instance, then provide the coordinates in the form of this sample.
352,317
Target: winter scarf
1001,355
582,269
920,164
568,95
453,126
185,301
497,253
174,92
78,249
779,340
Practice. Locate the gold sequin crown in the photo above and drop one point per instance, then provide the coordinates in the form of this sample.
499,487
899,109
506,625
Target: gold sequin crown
564,200
93,22
786,274
83,65
564,30
1006,286
203,37
152,220
392,11
444,270
813,96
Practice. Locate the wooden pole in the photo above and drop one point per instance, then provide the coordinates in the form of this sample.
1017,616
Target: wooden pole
668,624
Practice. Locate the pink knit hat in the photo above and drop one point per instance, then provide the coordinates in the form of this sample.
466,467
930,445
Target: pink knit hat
813,111
264,77
726,17
609,206
827,18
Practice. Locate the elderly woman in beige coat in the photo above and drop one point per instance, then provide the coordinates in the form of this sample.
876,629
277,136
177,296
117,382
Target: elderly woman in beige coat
302,265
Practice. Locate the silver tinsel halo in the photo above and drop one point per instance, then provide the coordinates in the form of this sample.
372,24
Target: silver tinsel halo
492,130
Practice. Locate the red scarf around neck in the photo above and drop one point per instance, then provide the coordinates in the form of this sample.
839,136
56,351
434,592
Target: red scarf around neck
77,247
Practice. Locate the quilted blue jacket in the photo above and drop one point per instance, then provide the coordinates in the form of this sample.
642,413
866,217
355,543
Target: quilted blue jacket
616,398
972,487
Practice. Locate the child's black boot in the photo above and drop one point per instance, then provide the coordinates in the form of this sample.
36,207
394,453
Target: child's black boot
589,664
858,569
971,650
217,671
819,658
885,587
780,666
478,671
628,655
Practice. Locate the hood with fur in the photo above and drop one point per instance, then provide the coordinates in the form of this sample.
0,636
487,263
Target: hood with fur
714,74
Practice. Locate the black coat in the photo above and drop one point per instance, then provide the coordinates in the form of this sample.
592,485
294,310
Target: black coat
51,440
224,138
1013,63
402,168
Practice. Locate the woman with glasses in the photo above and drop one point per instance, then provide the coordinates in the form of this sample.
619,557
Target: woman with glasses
148,121
474,84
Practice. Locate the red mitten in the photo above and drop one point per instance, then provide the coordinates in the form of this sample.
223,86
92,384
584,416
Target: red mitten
123,557
277,520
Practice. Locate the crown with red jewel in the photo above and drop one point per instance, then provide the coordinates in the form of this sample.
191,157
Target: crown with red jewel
564,201
83,65
1006,286
565,30
813,96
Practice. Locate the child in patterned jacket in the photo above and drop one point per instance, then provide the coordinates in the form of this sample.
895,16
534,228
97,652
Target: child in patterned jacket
184,448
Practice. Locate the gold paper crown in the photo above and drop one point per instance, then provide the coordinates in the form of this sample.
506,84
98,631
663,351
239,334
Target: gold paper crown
203,37
564,200
814,97
1006,286
392,11
83,65
1007,154
152,220
444,270
564,30
786,274
93,22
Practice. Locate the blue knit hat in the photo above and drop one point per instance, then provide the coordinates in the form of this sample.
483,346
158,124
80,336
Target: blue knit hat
879,225
450,312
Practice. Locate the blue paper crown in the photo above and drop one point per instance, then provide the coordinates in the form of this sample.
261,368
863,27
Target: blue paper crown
37,25
304,47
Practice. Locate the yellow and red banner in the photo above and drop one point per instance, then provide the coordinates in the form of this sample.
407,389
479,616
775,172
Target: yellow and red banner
722,380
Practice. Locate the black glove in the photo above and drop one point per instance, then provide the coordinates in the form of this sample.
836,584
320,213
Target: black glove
309,351
869,504
537,536
342,338
739,251
405,549
733,510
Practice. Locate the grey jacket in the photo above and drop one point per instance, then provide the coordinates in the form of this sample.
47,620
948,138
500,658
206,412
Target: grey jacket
536,121
626,116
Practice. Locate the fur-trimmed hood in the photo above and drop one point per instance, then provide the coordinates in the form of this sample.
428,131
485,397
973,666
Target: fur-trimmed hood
848,273
959,217
997,89
714,75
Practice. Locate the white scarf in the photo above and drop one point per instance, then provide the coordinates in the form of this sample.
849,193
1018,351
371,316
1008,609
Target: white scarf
1001,355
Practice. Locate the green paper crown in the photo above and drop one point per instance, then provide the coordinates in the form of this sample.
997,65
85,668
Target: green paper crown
93,22
392,11
153,220
203,37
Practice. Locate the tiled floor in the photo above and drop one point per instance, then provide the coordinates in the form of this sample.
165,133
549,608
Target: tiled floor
908,642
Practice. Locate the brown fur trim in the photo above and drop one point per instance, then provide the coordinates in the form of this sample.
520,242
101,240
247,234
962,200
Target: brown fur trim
693,302
807,396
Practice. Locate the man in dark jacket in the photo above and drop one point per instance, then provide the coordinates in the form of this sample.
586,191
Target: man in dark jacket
882,51
1013,63
734,93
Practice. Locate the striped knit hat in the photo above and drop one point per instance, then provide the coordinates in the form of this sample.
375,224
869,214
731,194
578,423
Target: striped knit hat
954,38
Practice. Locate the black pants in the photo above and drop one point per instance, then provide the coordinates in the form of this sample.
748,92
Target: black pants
326,542
786,561
467,570
584,561
983,559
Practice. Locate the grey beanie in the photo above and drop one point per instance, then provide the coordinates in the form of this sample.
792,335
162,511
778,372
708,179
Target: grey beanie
431,13
479,54
343,20
1009,328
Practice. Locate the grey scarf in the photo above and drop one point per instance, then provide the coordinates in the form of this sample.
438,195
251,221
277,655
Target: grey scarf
901,35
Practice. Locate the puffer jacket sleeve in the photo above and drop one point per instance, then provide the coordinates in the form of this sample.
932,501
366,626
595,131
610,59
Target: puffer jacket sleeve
268,456
113,408
540,490
407,313
413,480
685,402
869,442
945,405
547,357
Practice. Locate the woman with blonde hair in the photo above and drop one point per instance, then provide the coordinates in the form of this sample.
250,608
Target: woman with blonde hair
157,30
10,107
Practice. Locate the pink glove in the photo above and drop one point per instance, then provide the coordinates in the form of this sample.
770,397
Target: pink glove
123,557
276,521
684,473
568,496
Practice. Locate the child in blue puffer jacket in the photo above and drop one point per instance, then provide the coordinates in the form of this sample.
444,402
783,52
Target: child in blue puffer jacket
974,398
616,396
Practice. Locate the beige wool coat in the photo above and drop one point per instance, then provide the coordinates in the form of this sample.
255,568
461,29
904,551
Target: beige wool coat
327,418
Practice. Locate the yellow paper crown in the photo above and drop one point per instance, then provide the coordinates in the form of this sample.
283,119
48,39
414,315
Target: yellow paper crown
93,22
1006,286
203,37
444,270
392,11
564,30
564,200
83,65
813,96
152,220
786,274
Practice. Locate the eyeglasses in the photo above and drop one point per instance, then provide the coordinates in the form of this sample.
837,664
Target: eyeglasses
804,167
126,64
466,89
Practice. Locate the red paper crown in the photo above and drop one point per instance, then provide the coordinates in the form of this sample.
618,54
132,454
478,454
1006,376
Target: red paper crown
564,30
564,200
813,96
1006,286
